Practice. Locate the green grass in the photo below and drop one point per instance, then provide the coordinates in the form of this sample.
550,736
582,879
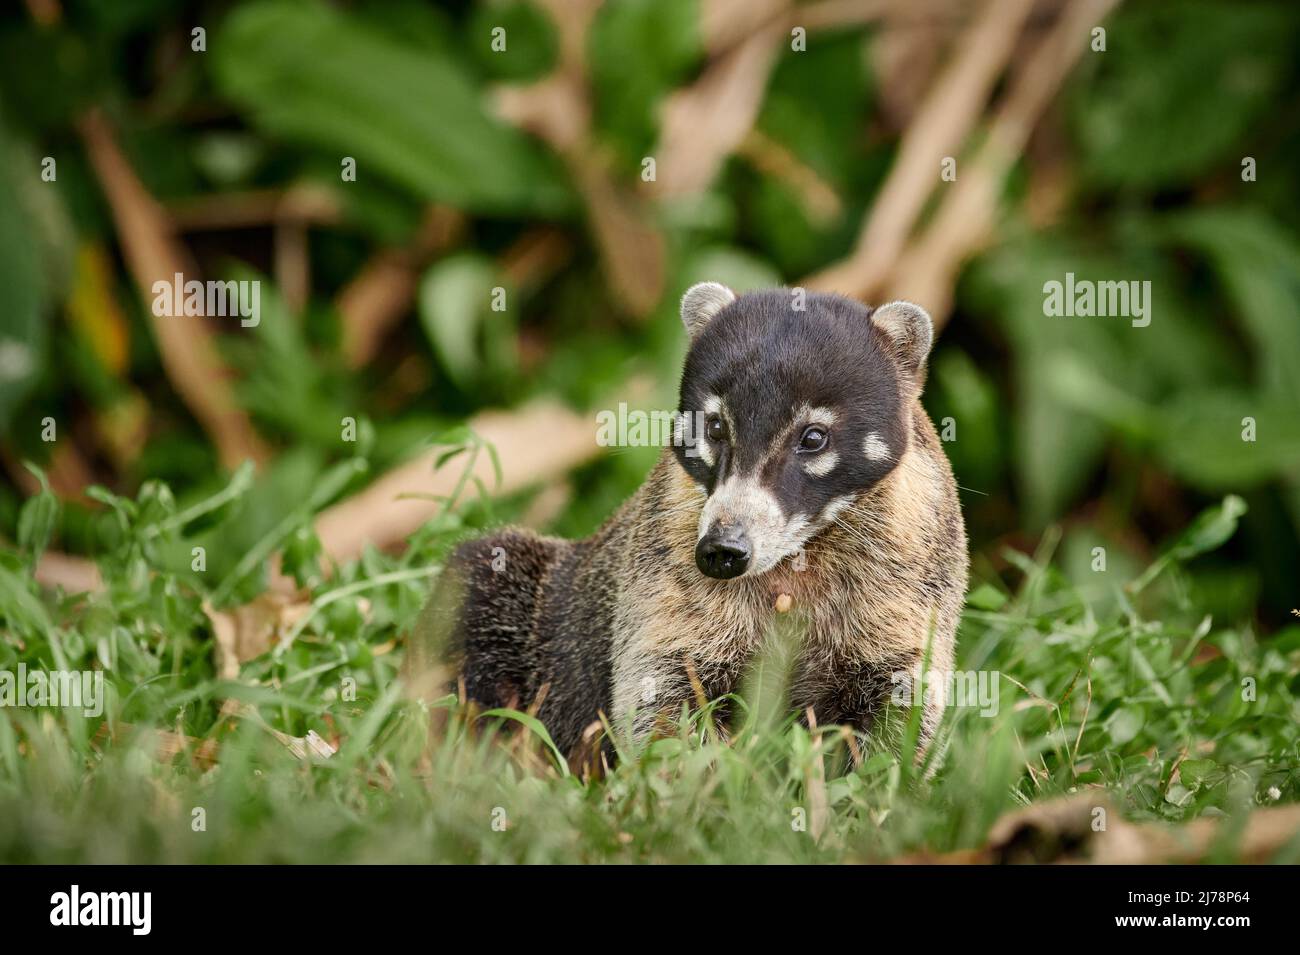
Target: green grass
1113,685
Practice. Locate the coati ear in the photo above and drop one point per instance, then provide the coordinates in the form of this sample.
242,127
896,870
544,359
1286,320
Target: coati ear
910,330
701,302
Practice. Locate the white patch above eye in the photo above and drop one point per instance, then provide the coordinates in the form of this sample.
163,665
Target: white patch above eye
809,415
712,405
874,447
822,464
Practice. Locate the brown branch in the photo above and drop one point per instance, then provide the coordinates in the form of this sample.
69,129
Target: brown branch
535,444
773,159
45,12
633,251
535,257
68,472
949,113
1062,831
384,289
292,265
838,14
966,219
74,574
702,124
906,55
187,346
725,24
305,204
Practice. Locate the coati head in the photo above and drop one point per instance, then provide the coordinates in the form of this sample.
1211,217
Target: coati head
801,409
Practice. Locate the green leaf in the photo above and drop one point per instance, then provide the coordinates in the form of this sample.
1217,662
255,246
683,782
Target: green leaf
529,36
815,104
455,299
735,268
986,597
534,726
1195,772
1202,437
1258,262
313,75
1055,447
301,557
37,518
1210,530
1124,724
21,609
284,382
22,332
639,50
1162,104
1149,675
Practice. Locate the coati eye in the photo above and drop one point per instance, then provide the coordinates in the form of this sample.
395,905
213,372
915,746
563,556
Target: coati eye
715,428
814,439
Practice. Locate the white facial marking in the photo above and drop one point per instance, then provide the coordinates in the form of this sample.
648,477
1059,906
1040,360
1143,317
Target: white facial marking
874,447
835,508
820,465
823,416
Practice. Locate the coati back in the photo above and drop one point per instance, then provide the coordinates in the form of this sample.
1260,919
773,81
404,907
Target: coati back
804,474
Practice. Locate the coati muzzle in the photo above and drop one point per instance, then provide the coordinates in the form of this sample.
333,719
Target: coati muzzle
723,552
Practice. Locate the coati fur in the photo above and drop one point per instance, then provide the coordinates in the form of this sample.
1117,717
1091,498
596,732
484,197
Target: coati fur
818,484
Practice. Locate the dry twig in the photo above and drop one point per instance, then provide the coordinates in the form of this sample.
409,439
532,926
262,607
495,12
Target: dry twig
965,220
187,345
951,110
377,516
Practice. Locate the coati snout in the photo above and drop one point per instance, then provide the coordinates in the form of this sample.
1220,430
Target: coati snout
803,400
723,551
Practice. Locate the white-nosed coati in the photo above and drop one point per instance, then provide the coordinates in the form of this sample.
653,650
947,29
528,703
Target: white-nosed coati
818,482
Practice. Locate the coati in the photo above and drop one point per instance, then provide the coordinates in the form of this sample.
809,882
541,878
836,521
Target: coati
818,485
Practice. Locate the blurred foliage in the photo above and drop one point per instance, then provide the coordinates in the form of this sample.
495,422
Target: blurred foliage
1118,434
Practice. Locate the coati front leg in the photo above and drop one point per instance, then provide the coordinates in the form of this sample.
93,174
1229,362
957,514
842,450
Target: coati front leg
650,689
480,624
854,695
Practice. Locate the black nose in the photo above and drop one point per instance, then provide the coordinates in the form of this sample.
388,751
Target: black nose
722,555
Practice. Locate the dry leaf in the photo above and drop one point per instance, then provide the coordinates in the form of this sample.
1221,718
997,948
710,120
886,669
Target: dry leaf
246,632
